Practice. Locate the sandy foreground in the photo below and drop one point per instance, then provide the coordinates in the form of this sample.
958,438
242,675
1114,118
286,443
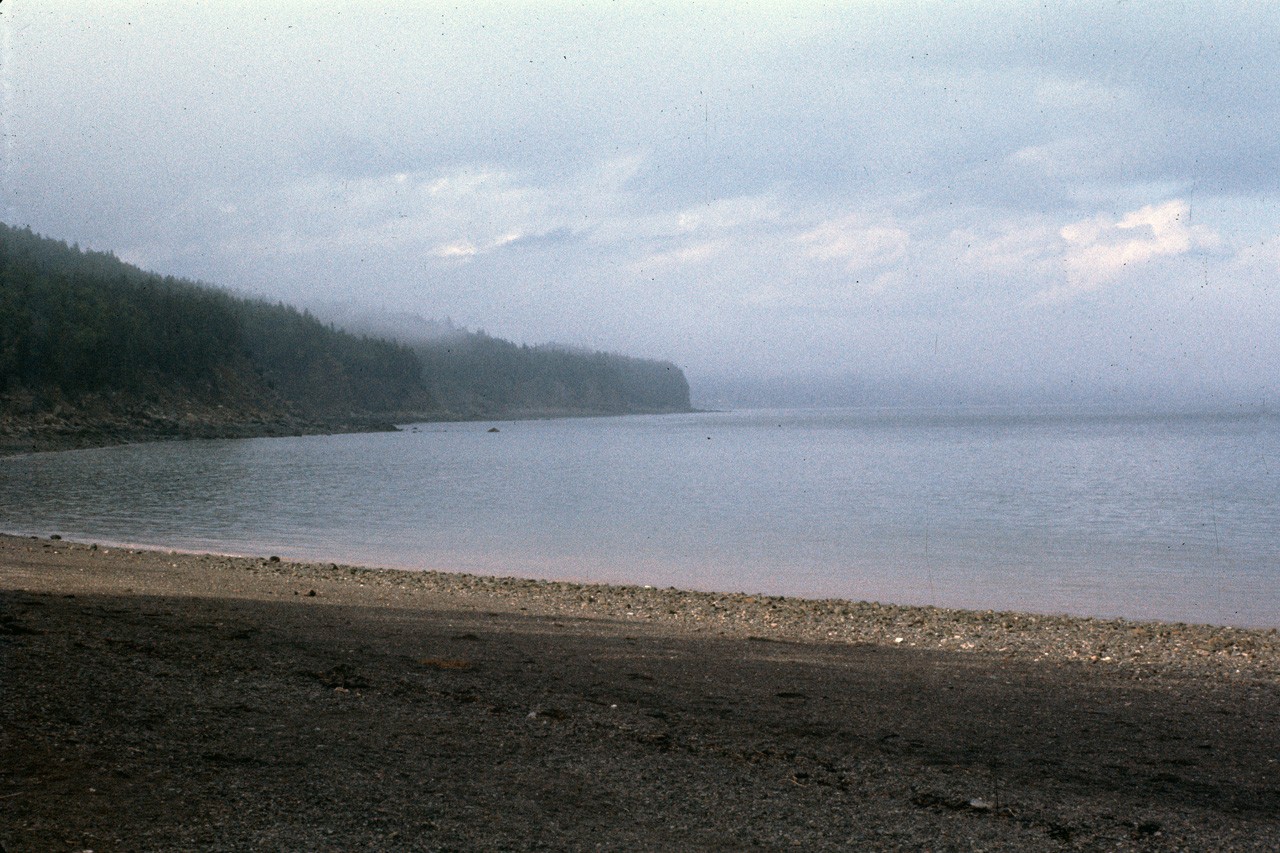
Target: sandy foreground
153,701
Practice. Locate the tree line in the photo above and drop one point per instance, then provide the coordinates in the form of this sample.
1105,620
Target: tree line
73,323
473,374
76,322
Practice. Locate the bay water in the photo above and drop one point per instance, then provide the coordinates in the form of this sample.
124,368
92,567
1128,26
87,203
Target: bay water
1170,517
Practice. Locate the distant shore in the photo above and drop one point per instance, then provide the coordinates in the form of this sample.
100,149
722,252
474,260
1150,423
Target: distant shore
75,430
164,701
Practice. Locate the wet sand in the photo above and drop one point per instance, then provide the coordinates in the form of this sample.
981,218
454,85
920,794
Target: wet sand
158,701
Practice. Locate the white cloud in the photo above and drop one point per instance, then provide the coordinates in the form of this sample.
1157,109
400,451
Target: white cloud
856,243
454,250
1017,250
452,216
1099,249
716,219
693,254
729,213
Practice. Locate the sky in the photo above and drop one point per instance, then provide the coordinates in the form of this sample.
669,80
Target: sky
1038,197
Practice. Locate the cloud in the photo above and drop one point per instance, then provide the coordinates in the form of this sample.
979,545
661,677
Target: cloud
686,255
1099,249
1017,249
856,243
454,250
719,183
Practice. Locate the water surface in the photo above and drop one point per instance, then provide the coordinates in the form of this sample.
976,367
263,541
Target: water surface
1173,518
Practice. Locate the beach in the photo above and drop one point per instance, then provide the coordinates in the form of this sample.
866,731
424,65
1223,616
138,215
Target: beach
165,701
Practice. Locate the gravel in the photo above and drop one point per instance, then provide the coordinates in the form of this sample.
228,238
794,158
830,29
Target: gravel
179,702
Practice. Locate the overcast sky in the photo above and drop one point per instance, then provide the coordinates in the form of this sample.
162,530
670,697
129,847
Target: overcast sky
1030,193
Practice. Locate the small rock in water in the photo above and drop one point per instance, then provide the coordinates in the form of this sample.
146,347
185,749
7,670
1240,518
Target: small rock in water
494,429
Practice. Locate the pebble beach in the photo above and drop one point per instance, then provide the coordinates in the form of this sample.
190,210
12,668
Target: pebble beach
554,715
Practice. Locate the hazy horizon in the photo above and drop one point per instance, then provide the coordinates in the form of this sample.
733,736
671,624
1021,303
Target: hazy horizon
988,201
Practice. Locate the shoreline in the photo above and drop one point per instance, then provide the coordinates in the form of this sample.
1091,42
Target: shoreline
72,430
1121,644
24,439
157,700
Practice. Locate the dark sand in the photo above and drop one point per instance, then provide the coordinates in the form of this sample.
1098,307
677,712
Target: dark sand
166,702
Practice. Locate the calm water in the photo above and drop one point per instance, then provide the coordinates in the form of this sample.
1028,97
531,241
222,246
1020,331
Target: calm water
1172,518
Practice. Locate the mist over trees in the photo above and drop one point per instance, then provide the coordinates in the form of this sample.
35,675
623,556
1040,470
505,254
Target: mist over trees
473,374
79,327
75,323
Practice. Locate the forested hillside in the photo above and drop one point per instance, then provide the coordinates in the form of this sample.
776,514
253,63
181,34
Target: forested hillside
475,375
94,350
85,336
